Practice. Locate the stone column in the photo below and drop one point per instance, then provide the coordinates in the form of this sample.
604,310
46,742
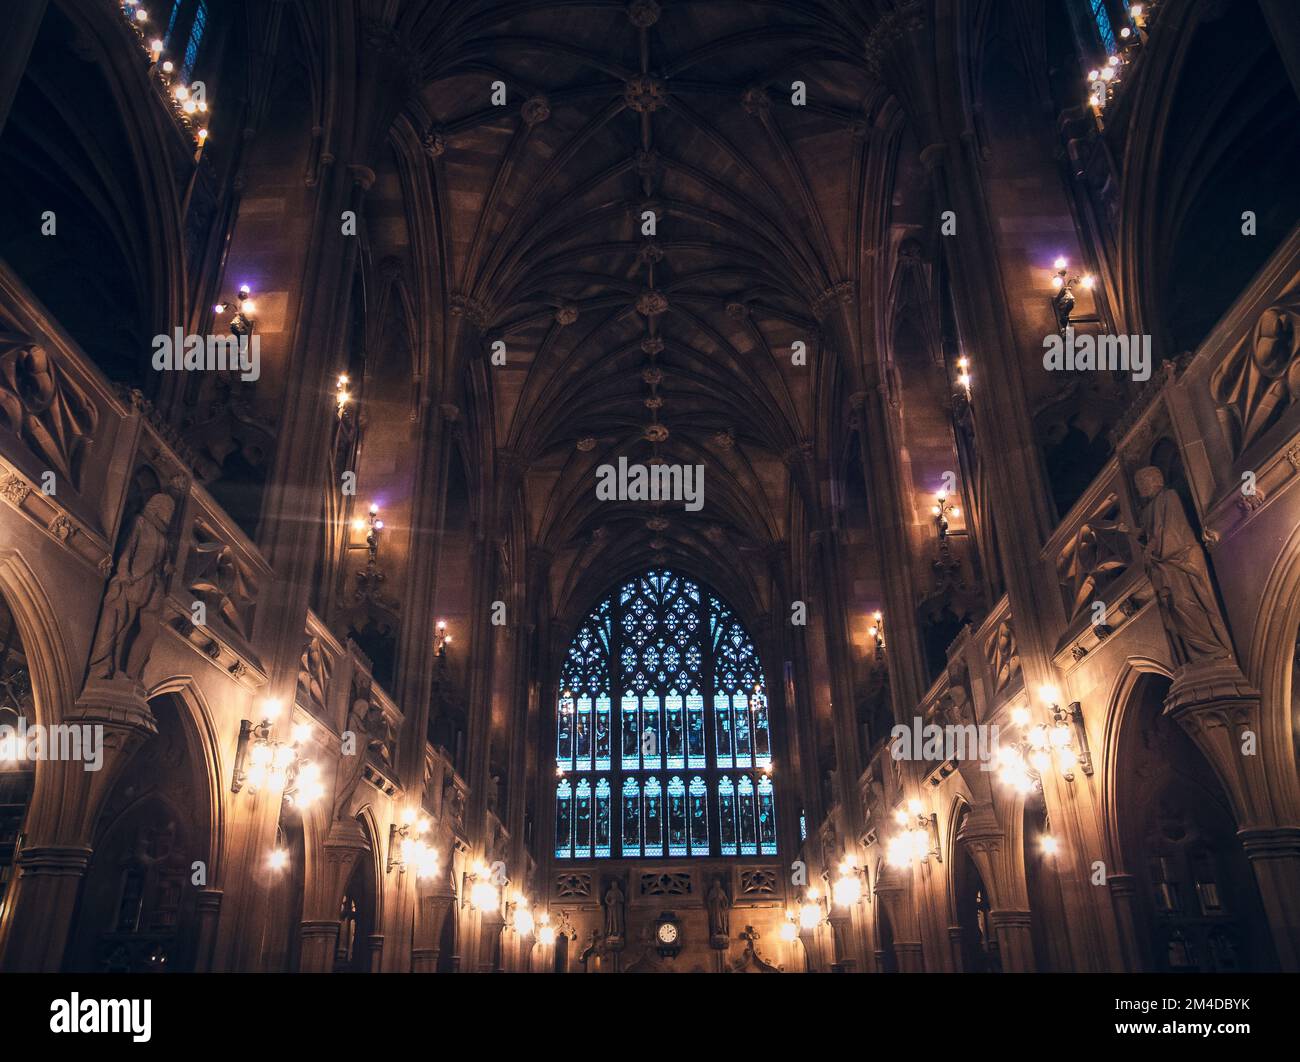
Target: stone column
955,950
1219,709
1123,898
1015,944
318,939
375,950
431,917
209,912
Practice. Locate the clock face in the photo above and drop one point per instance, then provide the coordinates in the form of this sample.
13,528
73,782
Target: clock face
667,933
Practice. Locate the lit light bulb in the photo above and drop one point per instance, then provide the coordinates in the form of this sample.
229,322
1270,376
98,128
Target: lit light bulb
358,524
789,932
1087,281
915,807
1040,760
142,15
168,66
524,922
956,511
1019,716
546,936
1061,736
1057,282
182,93
247,306
1069,759
1049,844
1050,695
271,708
278,859
485,897
848,890
810,916
1062,262
301,733
1108,73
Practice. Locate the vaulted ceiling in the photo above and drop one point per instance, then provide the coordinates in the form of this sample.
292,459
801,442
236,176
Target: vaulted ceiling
674,346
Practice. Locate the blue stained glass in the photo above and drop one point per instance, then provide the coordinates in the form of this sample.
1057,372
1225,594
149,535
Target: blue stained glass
563,819
748,823
674,725
766,817
603,812
1102,18
631,733
631,817
722,714
582,735
654,635
582,819
654,818
695,730
676,817
698,802
651,733
602,733
727,816
197,27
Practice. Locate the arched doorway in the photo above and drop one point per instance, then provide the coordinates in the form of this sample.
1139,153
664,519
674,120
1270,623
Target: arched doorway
17,771
978,942
352,953
137,912
1198,905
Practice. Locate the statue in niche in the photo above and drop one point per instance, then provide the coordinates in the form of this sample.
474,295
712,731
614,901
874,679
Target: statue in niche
1175,563
493,792
352,762
615,920
129,618
719,905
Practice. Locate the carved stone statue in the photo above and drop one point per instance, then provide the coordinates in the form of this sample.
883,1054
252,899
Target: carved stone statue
1005,660
1175,563
615,903
719,905
130,615
493,792
352,763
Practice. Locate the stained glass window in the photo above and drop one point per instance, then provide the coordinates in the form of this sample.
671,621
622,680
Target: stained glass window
1102,18
663,743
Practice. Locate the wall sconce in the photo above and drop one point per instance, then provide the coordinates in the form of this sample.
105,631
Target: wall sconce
1065,735
963,374
790,927
546,931
812,912
241,322
877,631
480,891
847,889
1063,299
407,849
444,639
342,396
919,839
941,510
518,917
261,762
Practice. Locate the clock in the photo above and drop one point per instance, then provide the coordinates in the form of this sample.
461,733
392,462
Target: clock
668,935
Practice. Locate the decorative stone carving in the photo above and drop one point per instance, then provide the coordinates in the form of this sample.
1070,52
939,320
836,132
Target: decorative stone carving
651,303
650,252
38,402
615,912
718,904
651,346
14,490
643,13
573,886
1178,571
758,882
1261,379
1094,557
1003,656
62,528
644,94
536,109
314,670
352,763
566,315
586,444
434,144
217,577
666,884
656,433
130,616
